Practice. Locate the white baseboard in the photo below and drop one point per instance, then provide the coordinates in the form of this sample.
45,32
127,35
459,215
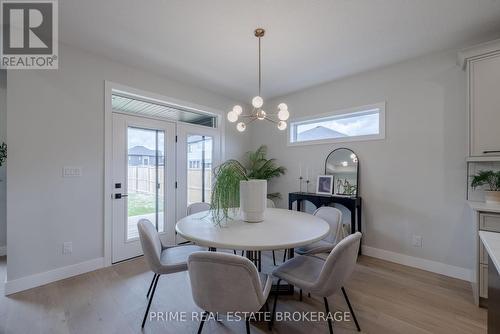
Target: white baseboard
3,250
32,281
416,262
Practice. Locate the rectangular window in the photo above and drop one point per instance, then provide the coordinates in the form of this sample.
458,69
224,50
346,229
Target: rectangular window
361,123
137,106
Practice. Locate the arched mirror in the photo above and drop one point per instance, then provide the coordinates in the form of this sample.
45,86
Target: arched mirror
343,164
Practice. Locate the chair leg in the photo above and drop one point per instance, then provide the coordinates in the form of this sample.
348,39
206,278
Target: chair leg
150,300
309,294
330,325
234,251
202,322
274,306
351,310
284,255
242,252
300,298
274,258
247,325
259,256
151,285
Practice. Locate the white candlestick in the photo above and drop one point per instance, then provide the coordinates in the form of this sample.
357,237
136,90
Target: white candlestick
300,170
307,173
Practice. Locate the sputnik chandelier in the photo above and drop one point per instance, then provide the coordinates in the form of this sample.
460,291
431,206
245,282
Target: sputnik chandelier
257,102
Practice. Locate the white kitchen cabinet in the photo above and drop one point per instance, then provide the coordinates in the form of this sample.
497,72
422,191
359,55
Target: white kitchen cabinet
486,218
484,113
482,64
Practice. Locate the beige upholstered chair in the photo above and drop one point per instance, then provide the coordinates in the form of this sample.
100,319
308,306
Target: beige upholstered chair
270,204
197,207
323,277
191,210
333,217
161,259
223,283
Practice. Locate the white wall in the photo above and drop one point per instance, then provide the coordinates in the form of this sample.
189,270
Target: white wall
414,181
3,138
56,119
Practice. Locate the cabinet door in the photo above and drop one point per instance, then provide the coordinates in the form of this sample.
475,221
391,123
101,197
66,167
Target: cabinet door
484,101
483,281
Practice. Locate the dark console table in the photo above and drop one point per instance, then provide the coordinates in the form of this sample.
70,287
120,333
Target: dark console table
353,204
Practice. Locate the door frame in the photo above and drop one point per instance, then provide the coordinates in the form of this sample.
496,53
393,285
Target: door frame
131,248
109,87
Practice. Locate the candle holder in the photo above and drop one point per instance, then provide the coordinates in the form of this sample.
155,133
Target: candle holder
300,183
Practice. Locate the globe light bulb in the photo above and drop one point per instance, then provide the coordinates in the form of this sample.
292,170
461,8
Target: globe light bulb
283,114
282,106
241,126
261,114
281,125
344,163
257,102
232,116
237,109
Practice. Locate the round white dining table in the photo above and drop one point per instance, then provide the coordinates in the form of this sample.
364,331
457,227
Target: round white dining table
281,229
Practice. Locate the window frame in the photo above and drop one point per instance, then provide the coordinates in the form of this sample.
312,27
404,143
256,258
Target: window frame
337,113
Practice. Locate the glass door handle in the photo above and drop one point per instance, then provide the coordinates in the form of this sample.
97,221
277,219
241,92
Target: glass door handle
118,196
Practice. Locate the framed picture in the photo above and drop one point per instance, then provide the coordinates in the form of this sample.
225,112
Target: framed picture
324,185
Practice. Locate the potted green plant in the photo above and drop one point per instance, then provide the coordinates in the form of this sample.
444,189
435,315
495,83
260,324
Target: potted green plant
248,179
490,179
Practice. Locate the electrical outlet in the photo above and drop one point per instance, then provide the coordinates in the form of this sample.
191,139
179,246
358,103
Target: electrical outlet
417,241
67,247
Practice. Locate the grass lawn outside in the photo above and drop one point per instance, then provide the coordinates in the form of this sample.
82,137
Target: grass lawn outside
142,204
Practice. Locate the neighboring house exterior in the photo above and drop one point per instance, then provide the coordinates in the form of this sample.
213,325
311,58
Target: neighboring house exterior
143,156
318,133
196,152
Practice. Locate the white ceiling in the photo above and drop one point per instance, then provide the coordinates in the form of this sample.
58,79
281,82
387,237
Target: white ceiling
210,43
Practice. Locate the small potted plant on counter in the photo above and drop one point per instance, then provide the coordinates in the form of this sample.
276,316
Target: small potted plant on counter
244,185
490,179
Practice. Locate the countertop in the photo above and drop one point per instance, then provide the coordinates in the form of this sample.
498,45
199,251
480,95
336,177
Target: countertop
491,242
484,207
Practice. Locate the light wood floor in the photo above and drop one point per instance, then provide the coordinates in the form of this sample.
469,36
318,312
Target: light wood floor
387,298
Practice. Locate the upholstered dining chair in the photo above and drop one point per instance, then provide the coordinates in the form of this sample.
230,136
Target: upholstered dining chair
200,207
161,259
322,277
223,283
333,217
270,204
191,210
197,207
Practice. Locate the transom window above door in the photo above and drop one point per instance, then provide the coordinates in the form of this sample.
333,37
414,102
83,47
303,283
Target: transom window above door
123,103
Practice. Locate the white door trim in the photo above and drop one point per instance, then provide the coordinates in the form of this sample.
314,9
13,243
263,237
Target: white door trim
109,87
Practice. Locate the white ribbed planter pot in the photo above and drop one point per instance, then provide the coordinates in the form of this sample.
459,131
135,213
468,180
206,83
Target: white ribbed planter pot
253,197
492,197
